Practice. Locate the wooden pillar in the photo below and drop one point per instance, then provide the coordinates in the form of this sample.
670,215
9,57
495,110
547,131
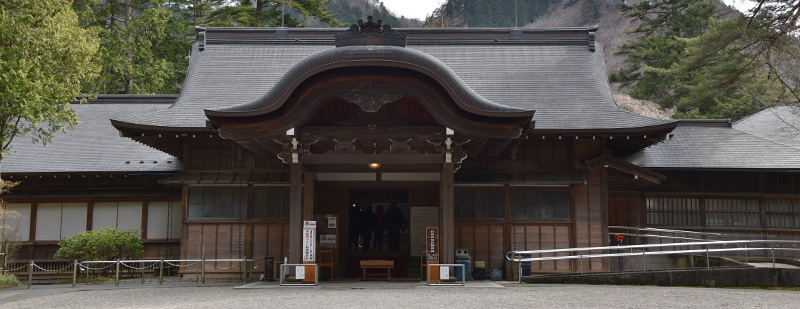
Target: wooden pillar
308,196
295,214
447,231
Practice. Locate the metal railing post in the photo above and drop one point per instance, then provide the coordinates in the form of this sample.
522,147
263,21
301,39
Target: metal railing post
203,270
580,261
30,274
87,274
691,256
74,273
197,273
244,270
772,248
708,259
745,253
161,272
644,260
143,267
116,274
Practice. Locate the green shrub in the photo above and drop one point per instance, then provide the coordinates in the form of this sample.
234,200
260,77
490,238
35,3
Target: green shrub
8,280
105,244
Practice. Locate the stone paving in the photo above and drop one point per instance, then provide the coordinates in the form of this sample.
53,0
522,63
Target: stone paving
377,294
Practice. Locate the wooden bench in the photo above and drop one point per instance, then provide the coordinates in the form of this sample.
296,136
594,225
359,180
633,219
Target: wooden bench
373,264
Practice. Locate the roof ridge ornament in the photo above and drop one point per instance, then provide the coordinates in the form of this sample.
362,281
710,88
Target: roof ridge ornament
370,33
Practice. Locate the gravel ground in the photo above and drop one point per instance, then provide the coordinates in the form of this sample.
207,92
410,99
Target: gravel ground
404,296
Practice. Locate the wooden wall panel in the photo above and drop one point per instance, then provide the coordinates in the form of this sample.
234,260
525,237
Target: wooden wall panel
562,241
465,238
496,246
485,241
209,250
481,235
625,210
260,245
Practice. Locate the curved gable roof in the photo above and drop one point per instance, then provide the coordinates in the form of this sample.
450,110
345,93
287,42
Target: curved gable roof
550,71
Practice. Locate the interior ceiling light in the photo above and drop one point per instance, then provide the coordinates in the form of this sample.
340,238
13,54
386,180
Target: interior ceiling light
374,165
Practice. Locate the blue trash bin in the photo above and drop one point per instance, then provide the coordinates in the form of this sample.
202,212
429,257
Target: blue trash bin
466,264
526,266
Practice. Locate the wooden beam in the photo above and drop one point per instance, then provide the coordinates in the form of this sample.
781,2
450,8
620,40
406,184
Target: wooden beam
447,237
308,196
295,214
372,158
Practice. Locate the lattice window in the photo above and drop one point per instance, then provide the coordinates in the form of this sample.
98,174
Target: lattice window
673,211
732,213
783,213
217,203
479,203
271,203
531,203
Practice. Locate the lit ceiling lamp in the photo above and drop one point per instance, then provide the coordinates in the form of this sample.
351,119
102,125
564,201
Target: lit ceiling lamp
374,165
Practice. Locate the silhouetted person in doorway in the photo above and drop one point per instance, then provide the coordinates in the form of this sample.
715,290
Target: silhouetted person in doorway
353,227
367,224
394,222
380,226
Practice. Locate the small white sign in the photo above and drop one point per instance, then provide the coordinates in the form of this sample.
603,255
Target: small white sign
444,273
299,272
310,225
309,241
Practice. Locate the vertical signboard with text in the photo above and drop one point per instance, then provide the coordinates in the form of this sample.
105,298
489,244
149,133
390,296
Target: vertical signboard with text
309,250
432,252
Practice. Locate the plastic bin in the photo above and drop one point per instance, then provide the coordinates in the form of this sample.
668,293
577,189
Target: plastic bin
466,264
526,266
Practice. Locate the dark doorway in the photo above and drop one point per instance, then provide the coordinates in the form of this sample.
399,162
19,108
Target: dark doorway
378,229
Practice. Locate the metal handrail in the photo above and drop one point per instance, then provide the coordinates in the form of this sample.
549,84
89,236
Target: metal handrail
653,229
677,244
517,256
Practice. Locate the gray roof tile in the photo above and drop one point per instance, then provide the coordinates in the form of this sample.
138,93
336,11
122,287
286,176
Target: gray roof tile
94,145
703,146
780,124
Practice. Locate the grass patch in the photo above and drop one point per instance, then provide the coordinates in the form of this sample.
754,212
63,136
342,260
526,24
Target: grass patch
8,280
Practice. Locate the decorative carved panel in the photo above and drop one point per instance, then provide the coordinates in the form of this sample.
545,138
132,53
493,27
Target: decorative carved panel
369,102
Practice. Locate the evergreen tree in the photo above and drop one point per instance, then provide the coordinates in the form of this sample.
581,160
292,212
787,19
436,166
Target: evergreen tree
707,67
45,56
142,44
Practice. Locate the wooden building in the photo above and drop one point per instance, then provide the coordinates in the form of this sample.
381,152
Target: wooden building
506,139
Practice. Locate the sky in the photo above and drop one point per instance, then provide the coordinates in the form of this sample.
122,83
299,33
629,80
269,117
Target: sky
418,9
421,8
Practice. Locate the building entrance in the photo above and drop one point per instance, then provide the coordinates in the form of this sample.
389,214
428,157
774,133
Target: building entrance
378,229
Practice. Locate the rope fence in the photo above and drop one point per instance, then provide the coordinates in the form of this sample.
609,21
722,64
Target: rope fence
140,266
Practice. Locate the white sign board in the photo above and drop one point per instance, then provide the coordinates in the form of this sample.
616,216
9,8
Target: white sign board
444,273
309,240
299,272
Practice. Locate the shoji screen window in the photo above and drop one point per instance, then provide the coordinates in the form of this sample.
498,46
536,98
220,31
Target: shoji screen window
164,220
55,221
120,215
18,226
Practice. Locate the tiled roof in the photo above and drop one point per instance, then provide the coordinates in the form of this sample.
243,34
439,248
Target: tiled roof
94,145
780,124
550,71
716,145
